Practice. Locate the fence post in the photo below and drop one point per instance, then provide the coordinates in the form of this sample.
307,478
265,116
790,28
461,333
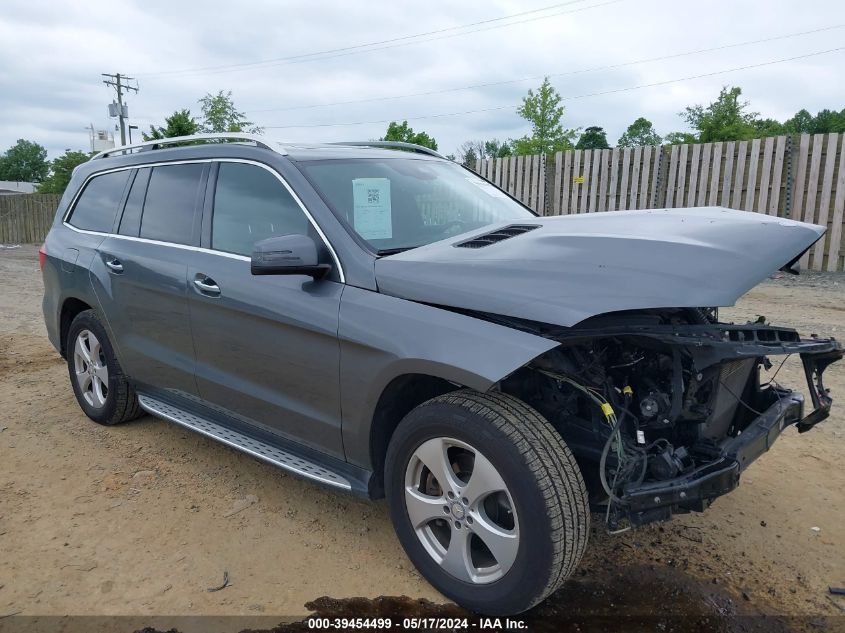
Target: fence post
662,176
787,161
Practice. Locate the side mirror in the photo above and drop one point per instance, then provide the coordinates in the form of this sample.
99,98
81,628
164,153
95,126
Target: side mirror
287,255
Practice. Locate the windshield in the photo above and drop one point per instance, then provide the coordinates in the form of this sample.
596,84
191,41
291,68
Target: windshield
400,203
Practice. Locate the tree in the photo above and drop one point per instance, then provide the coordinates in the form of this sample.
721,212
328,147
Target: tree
405,134
61,170
824,122
641,132
494,148
679,138
726,119
544,112
593,137
219,114
801,123
768,127
180,123
827,121
469,152
25,161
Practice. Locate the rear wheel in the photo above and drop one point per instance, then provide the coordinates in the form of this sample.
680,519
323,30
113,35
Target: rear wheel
487,500
101,389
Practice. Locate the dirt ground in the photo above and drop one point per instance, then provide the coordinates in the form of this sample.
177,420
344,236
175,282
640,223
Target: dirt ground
142,518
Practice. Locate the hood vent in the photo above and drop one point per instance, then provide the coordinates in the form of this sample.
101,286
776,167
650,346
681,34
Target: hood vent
498,235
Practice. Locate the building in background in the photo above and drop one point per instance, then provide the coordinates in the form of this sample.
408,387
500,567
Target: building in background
10,187
100,140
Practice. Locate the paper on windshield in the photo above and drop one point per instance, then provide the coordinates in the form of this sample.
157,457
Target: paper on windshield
371,208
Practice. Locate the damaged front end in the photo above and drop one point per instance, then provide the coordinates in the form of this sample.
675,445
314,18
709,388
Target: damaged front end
664,409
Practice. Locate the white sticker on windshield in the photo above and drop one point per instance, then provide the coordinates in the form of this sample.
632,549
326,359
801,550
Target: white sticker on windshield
371,207
487,188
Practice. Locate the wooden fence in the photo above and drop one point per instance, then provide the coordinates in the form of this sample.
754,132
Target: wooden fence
798,177
26,218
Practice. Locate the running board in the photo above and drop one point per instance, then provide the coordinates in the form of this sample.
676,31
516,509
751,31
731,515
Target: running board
261,450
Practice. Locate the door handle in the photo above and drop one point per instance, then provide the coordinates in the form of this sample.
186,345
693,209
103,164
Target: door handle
207,286
114,264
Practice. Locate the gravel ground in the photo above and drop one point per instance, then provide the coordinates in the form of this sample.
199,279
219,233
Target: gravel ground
141,519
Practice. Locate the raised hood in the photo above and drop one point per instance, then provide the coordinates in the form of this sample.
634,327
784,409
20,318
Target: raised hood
577,266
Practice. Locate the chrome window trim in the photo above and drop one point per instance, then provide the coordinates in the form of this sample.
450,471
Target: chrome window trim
144,240
199,249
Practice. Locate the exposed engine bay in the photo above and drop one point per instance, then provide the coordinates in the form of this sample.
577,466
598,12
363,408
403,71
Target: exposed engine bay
663,409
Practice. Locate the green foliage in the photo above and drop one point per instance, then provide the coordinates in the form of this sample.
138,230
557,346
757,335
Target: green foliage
726,119
494,148
767,127
180,123
219,114
24,161
593,137
824,122
405,134
827,121
469,154
470,151
678,138
641,132
544,112
61,170
801,123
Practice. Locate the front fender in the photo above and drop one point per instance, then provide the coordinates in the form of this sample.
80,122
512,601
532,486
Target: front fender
383,337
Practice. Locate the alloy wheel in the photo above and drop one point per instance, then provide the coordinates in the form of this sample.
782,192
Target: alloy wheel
461,510
90,368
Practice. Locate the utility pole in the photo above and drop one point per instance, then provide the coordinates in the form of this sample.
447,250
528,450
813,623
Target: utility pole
120,83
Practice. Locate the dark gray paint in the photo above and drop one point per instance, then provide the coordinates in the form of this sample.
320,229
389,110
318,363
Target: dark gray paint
579,266
146,308
383,337
267,350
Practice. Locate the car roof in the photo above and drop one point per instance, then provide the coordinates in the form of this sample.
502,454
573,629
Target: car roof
221,144
331,151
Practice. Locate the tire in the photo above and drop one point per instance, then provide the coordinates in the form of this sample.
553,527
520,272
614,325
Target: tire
101,389
537,544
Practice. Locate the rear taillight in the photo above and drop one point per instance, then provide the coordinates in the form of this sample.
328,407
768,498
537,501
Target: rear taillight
42,257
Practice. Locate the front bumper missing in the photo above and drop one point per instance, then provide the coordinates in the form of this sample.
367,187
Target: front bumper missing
657,501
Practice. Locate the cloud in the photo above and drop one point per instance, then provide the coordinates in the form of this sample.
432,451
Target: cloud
52,55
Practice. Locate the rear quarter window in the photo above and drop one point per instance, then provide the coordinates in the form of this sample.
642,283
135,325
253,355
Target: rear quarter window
97,206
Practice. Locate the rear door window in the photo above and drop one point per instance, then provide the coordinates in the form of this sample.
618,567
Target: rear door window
130,223
171,203
97,207
251,204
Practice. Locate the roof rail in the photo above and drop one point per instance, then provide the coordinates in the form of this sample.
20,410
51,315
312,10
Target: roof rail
259,140
413,147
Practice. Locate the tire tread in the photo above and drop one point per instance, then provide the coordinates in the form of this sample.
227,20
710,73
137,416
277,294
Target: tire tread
126,399
549,459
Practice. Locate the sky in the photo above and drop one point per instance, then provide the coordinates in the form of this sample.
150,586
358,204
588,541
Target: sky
454,70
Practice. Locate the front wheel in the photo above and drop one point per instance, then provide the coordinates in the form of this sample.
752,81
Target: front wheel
487,500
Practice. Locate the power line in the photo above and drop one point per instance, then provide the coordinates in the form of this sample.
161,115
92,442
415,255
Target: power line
563,74
392,43
568,98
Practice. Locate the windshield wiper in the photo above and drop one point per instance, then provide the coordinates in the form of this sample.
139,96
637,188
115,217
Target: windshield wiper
394,251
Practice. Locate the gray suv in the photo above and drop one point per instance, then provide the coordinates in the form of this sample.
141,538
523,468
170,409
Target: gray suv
378,319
